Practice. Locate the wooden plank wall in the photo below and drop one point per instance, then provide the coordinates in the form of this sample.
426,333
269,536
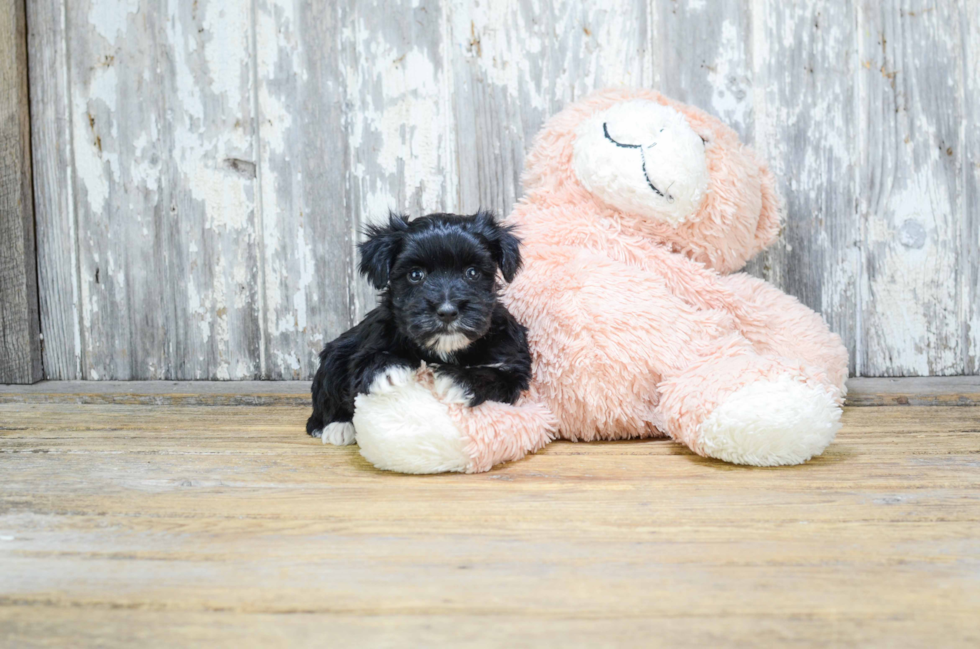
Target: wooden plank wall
20,335
203,168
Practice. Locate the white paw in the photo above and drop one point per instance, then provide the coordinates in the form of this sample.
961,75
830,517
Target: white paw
339,433
391,379
449,391
771,423
406,429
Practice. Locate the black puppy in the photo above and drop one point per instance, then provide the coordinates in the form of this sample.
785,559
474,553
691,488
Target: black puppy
439,305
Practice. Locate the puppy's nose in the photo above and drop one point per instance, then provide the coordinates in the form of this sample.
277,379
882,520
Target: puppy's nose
447,312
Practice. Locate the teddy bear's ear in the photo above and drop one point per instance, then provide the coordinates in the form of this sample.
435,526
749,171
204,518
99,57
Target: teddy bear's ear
505,247
379,250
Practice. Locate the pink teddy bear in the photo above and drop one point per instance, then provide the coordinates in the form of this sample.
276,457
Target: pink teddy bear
638,212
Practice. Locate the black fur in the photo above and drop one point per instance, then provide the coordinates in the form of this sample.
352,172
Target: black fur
459,257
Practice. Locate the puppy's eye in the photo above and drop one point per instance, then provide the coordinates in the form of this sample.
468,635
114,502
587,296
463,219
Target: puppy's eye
416,275
472,273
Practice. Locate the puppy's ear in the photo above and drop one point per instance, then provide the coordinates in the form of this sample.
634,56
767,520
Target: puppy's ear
379,250
505,247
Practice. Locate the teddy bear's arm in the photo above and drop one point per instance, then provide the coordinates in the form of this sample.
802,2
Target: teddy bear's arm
420,427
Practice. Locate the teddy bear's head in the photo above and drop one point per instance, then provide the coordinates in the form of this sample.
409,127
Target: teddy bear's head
661,169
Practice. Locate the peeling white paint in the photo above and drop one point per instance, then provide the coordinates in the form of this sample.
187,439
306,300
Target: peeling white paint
912,282
201,314
188,93
305,259
93,159
290,362
89,169
498,36
109,19
408,126
228,26
730,97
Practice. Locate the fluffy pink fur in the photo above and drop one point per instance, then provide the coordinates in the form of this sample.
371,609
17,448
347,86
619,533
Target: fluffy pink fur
635,326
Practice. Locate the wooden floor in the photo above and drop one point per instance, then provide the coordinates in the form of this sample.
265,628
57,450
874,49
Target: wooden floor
160,521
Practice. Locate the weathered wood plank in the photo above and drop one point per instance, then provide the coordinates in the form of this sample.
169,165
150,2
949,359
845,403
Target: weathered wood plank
705,58
307,239
400,123
806,131
516,63
204,393
924,391
53,625
165,189
910,188
969,25
54,205
20,333
197,522
915,391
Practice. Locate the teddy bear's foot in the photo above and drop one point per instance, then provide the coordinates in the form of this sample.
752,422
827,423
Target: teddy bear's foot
403,427
770,422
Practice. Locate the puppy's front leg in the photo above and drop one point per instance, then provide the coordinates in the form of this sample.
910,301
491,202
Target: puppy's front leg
473,385
376,379
390,378
338,433
379,373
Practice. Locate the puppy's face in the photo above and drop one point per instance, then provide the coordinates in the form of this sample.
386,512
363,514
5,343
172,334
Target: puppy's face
443,289
440,275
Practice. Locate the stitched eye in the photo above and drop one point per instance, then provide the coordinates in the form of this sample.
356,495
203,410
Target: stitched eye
472,273
622,145
416,275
